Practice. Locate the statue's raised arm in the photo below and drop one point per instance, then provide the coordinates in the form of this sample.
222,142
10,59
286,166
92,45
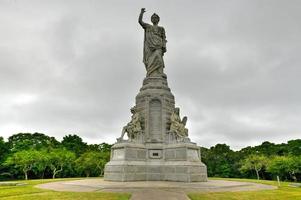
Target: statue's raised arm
140,19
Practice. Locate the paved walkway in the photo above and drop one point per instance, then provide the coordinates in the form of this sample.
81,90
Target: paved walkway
149,190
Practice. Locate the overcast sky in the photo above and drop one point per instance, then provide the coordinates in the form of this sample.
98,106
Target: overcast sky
75,67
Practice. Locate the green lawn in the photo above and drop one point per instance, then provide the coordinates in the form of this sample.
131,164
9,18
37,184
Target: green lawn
284,192
29,192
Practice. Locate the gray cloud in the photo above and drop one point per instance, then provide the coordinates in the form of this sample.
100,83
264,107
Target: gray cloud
76,66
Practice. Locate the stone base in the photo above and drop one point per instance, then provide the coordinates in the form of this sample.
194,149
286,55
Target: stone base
131,171
155,162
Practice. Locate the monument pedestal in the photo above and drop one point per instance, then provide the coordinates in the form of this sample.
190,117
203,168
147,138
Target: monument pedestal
155,154
155,162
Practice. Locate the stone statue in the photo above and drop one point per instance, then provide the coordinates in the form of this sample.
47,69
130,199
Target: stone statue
154,45
133,128
177,125
158,143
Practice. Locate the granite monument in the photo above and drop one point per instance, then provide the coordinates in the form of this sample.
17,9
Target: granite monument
157,147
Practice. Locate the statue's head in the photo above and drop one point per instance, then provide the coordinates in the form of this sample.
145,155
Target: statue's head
155,19
177,110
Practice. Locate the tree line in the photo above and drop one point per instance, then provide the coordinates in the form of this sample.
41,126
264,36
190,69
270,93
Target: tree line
265,161
33,156
37,155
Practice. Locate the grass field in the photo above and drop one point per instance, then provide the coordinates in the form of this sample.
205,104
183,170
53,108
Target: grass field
284,192
29,192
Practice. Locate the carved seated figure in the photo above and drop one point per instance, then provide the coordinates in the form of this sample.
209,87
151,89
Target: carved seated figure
177,125
133,128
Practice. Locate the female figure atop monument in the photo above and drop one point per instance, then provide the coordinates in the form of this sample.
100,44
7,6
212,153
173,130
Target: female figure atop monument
154,45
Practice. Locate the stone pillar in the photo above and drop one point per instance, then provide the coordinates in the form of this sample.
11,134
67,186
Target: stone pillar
155,103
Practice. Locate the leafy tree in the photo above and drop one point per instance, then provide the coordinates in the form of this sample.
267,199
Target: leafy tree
25,141
43,161
287,167
221,161
103,158
294,147
244,152
266,148
58,159
92,162
92,147
254,162
104,147
23,160
3,149
279,166
87,163
75,144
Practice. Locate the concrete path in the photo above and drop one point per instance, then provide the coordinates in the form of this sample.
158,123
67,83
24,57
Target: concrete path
150,190
158,194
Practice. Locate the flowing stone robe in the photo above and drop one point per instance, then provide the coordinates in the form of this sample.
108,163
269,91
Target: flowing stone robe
154,48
